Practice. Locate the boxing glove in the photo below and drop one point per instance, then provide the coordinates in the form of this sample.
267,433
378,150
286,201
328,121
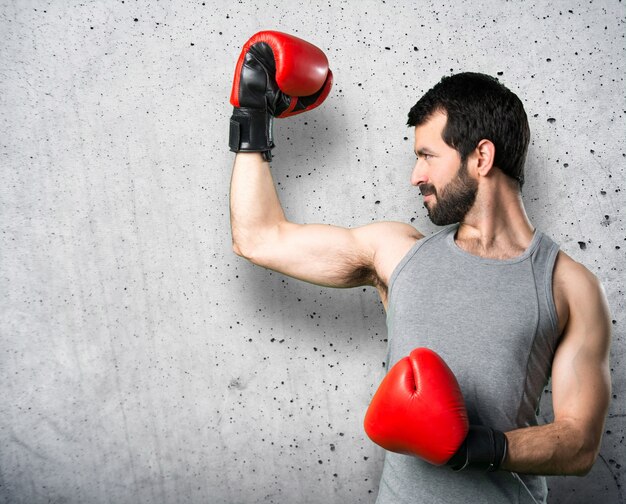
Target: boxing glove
418,409
277,75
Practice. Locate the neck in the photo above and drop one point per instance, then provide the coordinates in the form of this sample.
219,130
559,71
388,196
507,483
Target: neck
497,225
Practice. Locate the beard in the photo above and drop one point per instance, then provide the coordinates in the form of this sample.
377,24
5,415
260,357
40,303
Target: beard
455,200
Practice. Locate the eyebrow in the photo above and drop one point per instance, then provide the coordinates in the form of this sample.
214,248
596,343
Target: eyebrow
422,151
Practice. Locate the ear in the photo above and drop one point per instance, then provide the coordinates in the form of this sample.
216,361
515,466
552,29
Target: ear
485,154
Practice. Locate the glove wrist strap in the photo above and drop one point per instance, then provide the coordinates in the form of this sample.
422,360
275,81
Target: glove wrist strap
251,130
484,449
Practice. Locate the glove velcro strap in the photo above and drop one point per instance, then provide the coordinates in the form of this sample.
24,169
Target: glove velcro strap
484,449
251,130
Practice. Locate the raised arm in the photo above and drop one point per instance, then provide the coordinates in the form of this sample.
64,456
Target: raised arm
581,384
317,253
277,76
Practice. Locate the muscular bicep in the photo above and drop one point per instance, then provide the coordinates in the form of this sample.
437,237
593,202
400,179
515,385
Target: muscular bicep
333,256
318,253
580,373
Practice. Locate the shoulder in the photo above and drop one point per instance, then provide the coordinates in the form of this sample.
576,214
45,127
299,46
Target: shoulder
574,278
578,293
389,228
382,236
389,243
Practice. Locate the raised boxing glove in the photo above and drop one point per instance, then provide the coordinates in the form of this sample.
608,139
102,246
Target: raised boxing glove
277,75
418,409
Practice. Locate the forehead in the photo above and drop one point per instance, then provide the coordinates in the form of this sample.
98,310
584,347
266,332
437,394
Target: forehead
429,134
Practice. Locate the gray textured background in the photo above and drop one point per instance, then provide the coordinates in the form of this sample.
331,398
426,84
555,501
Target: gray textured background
141,361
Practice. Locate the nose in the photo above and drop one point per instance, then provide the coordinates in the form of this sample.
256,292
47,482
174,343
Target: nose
418,175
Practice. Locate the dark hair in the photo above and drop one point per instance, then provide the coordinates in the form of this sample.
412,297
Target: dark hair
479,107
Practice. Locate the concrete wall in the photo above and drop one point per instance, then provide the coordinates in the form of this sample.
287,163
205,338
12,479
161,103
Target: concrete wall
140,359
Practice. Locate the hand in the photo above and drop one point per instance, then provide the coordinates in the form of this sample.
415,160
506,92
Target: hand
418,409
277,75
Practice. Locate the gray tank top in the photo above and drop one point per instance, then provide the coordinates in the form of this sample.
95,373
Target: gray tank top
494,323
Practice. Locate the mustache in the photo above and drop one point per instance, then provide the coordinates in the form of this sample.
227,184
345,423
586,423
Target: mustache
427,189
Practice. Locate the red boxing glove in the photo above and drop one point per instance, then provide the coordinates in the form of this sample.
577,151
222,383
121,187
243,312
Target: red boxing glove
277,75
418,409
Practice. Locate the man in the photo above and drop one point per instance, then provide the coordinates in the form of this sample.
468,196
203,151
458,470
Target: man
491,294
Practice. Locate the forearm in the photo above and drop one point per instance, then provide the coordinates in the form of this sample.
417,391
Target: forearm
559,448
254,204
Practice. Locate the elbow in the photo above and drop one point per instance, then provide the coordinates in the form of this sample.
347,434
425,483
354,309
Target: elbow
584,463
256,245
243,250
585,456
249,251
237,249
583,446
242,244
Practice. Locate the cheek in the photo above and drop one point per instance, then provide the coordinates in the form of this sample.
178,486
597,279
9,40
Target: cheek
445,172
